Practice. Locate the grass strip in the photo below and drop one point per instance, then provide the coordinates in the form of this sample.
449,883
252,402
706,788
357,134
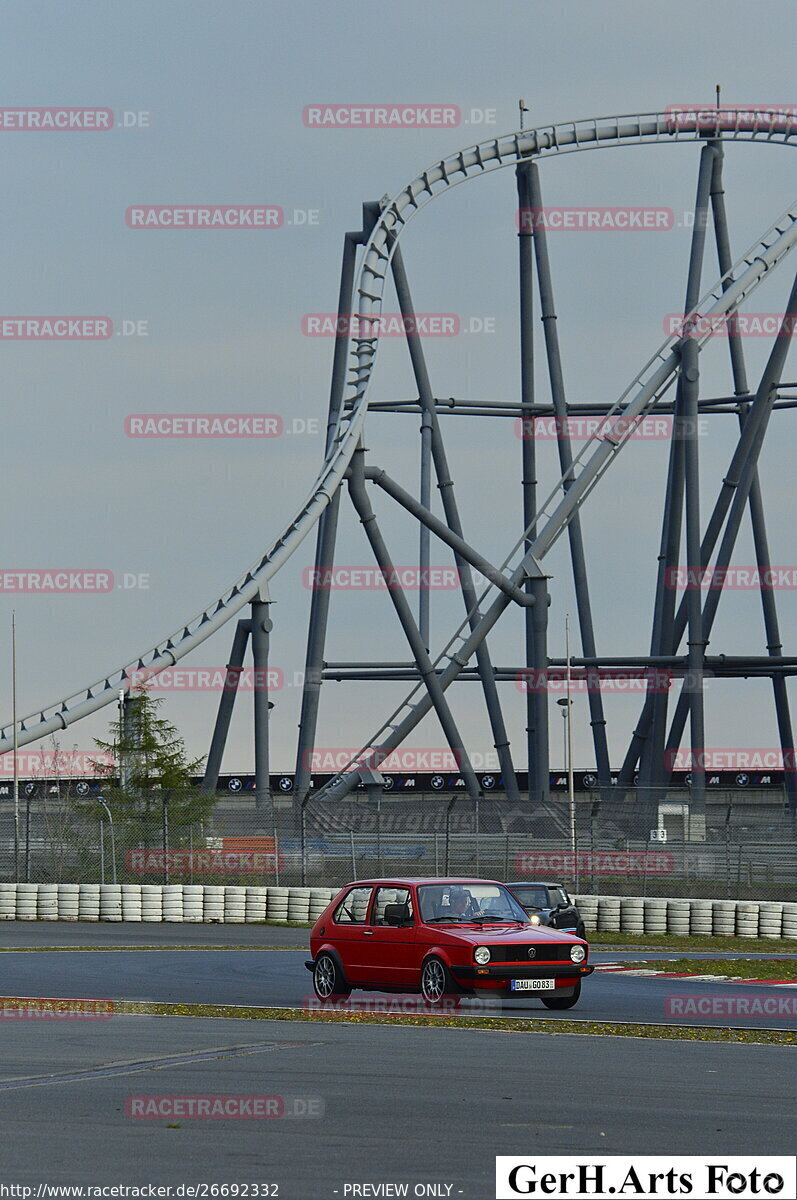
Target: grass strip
702,1033
735,968
667,941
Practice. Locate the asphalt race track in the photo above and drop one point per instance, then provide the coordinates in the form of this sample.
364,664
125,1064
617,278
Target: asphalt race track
384,1089
353,1096
278,978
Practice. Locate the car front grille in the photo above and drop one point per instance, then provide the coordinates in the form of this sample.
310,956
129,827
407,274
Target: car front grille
520,954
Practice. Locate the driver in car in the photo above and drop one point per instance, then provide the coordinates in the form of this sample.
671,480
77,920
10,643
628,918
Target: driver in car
461,905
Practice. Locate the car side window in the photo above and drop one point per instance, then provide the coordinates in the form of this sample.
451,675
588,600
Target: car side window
557,897
390,895
353,908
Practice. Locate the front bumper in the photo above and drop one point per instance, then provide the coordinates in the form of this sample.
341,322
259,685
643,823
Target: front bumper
473,976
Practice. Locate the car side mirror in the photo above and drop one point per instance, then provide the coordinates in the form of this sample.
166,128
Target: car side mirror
396,914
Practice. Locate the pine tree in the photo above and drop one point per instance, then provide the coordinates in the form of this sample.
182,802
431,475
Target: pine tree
149,767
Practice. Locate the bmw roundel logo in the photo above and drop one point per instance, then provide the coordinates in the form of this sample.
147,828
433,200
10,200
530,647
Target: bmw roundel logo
532,952
285,783
742,780
82,788
387,782
437,782
235,785
590,781
488,782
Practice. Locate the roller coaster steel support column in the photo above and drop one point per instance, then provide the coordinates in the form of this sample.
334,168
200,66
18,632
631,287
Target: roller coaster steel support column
539,666
424,543
756,425
690,372
362,504
757,519
226,705
261,626
451,510
559,397
325,539
682,482
528,446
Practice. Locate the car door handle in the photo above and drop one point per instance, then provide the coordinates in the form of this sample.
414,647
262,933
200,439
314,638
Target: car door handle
368,933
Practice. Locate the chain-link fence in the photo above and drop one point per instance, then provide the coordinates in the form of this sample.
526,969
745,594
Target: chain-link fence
744,847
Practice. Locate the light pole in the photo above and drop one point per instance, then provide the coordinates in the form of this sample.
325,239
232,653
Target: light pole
566,703
101,800
14,721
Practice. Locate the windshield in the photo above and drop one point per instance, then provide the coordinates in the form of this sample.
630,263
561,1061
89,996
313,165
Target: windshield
531,895
449,903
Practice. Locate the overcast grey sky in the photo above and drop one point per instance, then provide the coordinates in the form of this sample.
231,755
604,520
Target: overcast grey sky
222,87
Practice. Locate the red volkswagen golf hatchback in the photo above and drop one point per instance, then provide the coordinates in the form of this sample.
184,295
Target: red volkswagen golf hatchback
441,937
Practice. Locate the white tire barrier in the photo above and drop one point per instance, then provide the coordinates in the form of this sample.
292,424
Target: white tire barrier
770,921
235,905
256,903
239,904
213,905
277,904
678,915
110,902
89,902
151,902
632,914
608,914
193,902
702,918
8,901
319,900
790,920
172,902
655,915
588,908
131,901
746,919
299,904
724,920
27,894
47,902
68,901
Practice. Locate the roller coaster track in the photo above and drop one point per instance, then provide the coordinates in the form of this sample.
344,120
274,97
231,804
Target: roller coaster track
642,394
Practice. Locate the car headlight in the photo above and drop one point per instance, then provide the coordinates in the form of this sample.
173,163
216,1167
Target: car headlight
482,955
534,919
578,953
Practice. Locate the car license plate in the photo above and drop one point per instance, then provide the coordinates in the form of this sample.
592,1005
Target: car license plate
532,985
